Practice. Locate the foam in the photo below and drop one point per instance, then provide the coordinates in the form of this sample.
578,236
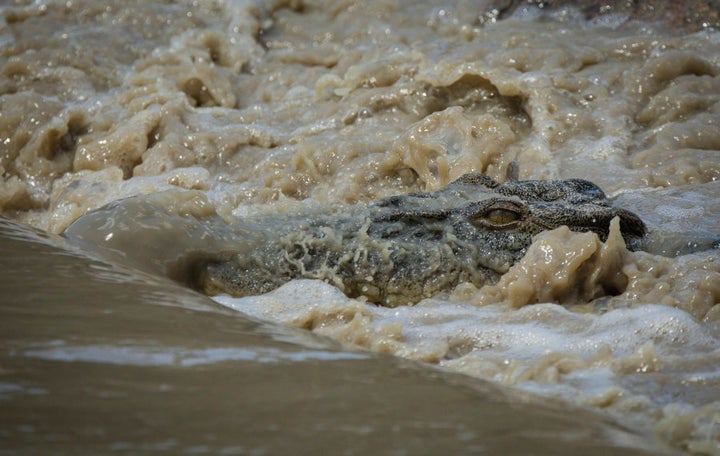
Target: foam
525,333
610,360
179,356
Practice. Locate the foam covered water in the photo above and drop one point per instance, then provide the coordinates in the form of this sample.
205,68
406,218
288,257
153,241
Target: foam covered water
210,111
615,360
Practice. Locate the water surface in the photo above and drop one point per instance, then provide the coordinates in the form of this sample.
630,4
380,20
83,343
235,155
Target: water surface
211,112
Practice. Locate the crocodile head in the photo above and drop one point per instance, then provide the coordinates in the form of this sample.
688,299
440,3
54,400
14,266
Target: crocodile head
478,205
407,247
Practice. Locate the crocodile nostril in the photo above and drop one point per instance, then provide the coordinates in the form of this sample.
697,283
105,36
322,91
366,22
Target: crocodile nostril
582,191
631,227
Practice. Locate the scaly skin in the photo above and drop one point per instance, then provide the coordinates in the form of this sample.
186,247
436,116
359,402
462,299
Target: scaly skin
405,248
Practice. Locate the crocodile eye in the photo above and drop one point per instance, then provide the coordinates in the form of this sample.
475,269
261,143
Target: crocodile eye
498,215
501,217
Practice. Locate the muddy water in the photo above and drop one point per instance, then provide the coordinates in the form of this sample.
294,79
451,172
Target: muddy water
208,112
97,358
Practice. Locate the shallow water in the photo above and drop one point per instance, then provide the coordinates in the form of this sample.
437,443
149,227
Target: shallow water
211,112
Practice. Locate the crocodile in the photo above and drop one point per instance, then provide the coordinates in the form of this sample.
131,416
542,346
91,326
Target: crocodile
404,248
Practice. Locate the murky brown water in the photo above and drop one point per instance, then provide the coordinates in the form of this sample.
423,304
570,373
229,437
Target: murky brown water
213,111
98,359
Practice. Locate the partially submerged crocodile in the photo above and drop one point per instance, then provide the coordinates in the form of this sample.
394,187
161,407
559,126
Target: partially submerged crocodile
404,248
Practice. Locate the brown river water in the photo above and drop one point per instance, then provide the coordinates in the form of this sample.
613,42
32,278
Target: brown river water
179,114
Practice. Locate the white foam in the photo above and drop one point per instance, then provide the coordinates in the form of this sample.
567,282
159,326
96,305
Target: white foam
543,348
179,356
